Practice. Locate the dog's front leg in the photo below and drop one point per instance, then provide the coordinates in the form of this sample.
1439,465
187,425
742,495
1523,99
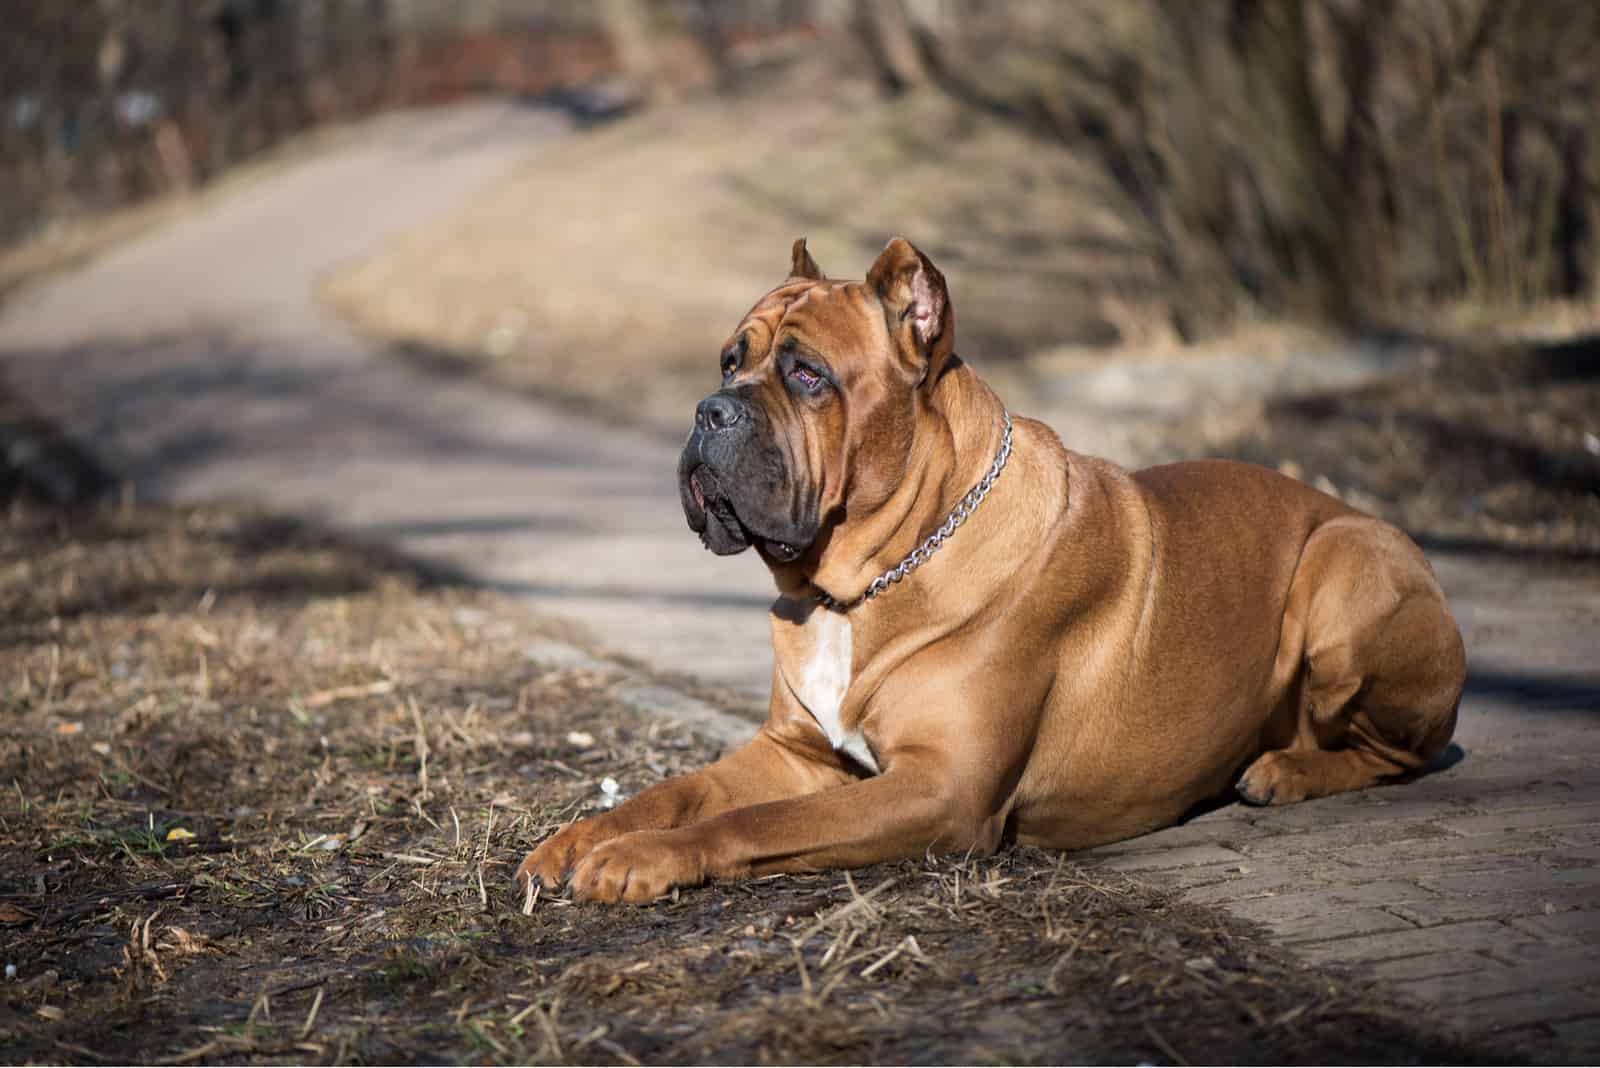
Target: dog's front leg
788,757
914,807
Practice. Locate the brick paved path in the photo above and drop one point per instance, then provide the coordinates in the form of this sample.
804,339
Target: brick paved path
199,360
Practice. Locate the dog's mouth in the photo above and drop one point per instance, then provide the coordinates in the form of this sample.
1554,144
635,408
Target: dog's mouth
781,551
719,525
697,487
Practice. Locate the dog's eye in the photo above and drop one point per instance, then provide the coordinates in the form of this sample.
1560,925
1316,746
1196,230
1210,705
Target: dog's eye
804,377
733,357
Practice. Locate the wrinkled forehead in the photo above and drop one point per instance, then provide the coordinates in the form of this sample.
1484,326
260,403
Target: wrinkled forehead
830,317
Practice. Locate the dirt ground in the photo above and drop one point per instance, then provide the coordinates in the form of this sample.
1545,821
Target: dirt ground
265,791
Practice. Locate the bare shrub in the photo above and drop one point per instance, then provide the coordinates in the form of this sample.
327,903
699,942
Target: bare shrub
1328,158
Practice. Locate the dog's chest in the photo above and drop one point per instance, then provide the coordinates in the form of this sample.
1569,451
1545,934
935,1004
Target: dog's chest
824,677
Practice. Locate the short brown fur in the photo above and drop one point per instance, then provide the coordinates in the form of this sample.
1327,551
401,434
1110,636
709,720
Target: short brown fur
1090,656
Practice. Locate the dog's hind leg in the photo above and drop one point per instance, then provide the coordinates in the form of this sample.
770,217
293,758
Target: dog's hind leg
1383,667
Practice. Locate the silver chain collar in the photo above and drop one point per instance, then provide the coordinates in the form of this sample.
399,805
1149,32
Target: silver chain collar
959,515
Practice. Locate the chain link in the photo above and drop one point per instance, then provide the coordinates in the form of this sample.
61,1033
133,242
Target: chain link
959,515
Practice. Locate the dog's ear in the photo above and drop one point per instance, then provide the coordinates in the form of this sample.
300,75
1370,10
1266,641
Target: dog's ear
916,305
801,265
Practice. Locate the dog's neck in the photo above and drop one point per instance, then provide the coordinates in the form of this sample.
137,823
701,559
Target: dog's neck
955,447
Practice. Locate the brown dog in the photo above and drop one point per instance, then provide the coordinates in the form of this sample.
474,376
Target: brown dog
983,637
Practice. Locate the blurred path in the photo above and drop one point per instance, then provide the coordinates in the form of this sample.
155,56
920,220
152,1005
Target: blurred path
199,363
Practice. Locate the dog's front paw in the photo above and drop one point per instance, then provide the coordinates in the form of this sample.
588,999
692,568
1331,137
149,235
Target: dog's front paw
639,867
558,854
1274,779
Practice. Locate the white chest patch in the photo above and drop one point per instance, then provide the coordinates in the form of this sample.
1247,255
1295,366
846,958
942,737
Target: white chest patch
823,680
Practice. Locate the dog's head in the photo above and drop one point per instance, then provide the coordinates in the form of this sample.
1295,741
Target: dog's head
822,385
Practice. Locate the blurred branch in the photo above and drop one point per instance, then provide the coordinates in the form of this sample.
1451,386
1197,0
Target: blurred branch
885,30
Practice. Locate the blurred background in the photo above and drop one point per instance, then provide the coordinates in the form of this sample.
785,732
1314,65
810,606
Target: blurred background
1170,227
1325,157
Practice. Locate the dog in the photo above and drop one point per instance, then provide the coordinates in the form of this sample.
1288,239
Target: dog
982,637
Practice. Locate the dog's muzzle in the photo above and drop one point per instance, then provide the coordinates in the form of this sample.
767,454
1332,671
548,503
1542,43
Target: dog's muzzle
734,484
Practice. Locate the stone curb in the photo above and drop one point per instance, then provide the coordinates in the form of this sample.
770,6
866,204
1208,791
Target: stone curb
645,695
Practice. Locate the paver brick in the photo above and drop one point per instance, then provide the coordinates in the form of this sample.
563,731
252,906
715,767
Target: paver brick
1504,793
1521,877
1564,968
1319,926
1391,838
1347,808
1429,965
1537,950
1422,869
1271,908
1581,926
1478,850
1511,904
1479,935
1206,875
1558,815
1223,884
1524,1008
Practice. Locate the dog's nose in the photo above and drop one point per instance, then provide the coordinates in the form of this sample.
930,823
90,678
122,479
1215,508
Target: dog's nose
718,412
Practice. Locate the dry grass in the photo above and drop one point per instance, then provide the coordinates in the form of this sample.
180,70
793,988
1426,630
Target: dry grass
264,793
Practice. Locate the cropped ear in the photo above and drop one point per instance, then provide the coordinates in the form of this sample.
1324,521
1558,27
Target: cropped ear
801,265
916,305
